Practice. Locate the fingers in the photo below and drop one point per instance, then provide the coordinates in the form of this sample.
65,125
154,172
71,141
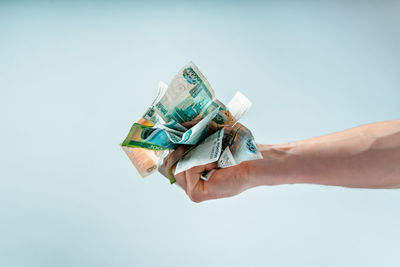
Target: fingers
203,168
174,157
190,181
228,182
193,175
180,178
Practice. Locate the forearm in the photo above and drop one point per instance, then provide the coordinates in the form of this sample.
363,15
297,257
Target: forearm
366,156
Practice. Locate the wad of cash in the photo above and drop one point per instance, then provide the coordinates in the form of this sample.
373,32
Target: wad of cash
186,112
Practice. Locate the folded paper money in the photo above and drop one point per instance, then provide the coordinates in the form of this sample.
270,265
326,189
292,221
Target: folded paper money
186,112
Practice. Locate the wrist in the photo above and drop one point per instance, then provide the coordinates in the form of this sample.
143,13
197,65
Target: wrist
278,166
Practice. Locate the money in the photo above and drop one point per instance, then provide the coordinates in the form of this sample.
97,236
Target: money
162,137
226,159
206,152
237,144
150,114
148,137
186,112
195,134
175,126
238,105
145,161
240,146
189,97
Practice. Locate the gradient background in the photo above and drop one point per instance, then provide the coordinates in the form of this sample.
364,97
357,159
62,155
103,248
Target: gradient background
75,76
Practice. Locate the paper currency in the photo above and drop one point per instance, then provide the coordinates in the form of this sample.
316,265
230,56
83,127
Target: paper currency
162,137
238,105
189,96
187,112
145,161
148,137
240,146
150,114
195,134
206,152
226,159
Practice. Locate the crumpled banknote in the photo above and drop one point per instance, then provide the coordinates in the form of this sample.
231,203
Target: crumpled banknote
186,112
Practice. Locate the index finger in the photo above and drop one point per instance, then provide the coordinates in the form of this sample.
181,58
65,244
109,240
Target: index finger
172,159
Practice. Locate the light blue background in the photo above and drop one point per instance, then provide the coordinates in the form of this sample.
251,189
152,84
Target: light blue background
74,76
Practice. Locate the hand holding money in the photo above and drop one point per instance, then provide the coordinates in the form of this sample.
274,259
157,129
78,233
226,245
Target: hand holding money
225,182
187,113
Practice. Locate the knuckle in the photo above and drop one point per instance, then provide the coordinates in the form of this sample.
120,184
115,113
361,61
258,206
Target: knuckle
195,196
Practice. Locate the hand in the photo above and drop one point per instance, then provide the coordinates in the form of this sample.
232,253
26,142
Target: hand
225,182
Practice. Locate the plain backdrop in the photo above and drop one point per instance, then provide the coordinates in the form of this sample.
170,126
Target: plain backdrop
75,75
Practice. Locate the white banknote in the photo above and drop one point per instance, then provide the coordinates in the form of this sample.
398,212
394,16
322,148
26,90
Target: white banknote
185,112
239,105
206,152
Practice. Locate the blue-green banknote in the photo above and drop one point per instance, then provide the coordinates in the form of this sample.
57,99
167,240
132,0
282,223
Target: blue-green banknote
187,112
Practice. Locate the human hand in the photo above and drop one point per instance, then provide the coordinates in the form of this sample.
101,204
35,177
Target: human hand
363,157
222,183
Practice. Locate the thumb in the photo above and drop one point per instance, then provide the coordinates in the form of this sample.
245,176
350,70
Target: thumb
193,175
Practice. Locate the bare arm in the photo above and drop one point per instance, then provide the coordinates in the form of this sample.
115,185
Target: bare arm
366,157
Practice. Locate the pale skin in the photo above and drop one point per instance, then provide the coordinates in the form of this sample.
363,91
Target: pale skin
367,156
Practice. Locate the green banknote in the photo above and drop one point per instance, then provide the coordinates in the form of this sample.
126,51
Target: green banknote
188,97
151,114
161,137
148,137
187,112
